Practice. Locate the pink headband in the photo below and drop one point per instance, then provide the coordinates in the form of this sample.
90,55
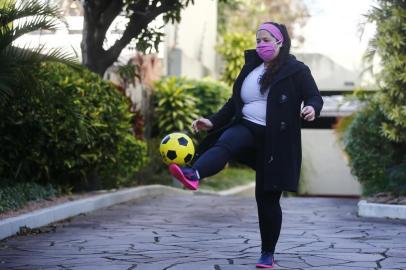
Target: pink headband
272,29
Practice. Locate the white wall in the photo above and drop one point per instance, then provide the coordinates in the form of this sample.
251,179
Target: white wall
328,74
324,166
193,41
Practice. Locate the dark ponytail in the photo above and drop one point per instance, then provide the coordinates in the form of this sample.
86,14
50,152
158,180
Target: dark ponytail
277,63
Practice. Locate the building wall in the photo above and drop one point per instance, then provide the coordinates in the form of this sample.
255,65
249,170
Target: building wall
328,74
190,44
324,166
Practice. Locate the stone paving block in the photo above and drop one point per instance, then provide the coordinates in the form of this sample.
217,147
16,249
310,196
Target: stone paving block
350,256
234,267
293,262
395,262
396,252
340,268
321,261
370,265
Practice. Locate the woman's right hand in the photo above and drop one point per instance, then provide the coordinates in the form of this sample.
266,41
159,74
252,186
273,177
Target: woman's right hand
202,124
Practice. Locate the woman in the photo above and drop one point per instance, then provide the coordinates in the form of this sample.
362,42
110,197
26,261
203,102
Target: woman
260,126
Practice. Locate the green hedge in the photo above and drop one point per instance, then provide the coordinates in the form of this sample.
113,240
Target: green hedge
77,133
379,164
210,95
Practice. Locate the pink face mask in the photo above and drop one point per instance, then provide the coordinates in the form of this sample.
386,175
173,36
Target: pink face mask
266,50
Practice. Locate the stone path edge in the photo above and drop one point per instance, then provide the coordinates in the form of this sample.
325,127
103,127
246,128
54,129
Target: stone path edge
380,210
45,216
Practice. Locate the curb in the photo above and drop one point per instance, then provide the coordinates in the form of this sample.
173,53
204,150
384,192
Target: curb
42,217
380,210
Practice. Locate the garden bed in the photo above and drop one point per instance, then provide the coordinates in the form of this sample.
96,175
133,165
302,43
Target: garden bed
44,203
387,198
383,205
381,210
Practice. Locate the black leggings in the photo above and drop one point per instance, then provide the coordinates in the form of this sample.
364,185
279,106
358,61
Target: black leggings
239,137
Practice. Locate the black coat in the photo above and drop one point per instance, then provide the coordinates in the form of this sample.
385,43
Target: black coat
291,85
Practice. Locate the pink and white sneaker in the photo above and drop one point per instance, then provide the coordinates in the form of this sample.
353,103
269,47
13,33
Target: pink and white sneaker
189,177
266,260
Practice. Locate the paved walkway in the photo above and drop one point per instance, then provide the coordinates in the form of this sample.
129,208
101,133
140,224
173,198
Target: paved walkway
208,232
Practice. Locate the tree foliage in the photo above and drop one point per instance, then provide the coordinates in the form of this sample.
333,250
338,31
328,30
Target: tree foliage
390,44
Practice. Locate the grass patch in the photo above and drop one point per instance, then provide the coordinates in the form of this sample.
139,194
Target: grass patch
228,178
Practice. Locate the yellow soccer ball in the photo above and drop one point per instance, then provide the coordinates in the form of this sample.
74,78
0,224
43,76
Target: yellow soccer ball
177,148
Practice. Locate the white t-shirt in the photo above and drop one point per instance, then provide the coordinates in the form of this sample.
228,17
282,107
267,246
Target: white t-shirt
254,108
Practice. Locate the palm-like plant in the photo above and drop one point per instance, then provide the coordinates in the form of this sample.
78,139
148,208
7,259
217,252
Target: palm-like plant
175,107
17,63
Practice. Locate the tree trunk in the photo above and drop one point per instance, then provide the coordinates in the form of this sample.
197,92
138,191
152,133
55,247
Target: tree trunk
93,58
98,16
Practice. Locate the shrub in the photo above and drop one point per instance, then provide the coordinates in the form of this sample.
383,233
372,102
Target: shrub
378,163
232,50
210,95
78,133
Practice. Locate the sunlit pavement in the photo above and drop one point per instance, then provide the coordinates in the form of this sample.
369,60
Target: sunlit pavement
211,232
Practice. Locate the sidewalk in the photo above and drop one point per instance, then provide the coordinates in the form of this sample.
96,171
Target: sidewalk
210,232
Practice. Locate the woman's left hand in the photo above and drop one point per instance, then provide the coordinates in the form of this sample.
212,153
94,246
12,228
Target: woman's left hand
308,113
